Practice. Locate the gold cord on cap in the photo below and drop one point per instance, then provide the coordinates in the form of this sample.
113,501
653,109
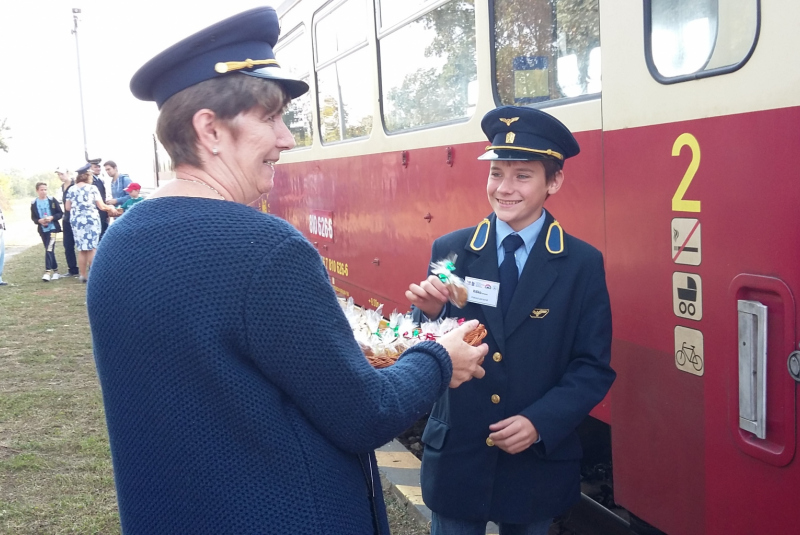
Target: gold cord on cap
549,152
223,67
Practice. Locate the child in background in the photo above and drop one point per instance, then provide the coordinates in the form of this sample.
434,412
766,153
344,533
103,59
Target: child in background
46,213
133,190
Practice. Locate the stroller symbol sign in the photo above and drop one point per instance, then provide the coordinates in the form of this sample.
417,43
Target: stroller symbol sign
687,295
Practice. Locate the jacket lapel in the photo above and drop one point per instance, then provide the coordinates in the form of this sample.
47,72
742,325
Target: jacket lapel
484,266
536,279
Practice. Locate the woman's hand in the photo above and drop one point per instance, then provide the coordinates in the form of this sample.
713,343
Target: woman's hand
466,359
429,296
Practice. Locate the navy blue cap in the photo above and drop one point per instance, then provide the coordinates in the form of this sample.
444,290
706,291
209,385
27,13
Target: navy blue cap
519,133
84,169
239,44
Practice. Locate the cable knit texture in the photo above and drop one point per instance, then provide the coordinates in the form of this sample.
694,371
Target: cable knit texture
236,398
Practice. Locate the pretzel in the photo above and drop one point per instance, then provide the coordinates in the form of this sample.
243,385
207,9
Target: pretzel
476,336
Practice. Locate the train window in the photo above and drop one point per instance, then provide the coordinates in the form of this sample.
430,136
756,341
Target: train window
428,66
689,39
395,11
291,53
546,50
344,99
341,29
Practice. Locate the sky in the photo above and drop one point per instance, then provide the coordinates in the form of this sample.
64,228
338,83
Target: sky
39,93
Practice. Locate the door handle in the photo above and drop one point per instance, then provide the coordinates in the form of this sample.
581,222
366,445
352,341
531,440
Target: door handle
753,367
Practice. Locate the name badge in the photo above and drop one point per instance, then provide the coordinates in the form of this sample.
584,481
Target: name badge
482,292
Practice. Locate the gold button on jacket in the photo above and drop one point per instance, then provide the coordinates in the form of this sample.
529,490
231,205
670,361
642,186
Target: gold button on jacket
489,442
497,357
495,398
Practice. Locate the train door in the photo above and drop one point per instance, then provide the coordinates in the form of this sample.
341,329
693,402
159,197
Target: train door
700,114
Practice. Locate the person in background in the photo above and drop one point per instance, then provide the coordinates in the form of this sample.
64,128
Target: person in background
69,240
2,246
236,397
46,212
97,182
85,204
134,191
119,184
506,448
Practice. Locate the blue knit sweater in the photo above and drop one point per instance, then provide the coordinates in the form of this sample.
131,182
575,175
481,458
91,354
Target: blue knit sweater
236,398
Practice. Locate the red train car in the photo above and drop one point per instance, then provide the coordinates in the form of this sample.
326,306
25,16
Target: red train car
688,181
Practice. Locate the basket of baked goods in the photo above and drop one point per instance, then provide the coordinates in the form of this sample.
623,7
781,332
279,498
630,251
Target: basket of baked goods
383,340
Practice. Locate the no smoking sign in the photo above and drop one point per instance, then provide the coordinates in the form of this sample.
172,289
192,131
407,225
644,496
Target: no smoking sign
686,243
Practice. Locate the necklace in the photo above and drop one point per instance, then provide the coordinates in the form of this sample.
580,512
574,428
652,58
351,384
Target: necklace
202,184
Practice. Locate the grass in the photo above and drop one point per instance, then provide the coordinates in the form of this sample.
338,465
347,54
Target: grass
55,464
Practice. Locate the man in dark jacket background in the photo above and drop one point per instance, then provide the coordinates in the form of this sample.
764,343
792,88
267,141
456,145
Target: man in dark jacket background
97,181
69,239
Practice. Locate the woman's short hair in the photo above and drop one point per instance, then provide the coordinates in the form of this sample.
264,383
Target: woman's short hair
82,177
226,96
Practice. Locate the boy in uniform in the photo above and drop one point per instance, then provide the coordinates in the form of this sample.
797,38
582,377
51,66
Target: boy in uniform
505,448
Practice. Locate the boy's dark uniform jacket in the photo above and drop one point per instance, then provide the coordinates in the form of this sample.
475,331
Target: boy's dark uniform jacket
55,211
548,361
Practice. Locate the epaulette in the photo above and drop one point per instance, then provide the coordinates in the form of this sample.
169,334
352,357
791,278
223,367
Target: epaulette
555,240
481,235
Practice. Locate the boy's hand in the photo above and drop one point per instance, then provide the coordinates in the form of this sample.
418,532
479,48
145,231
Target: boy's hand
514,434
429,296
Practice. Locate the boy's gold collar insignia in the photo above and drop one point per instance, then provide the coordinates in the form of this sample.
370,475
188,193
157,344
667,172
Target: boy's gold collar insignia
481,235
555,238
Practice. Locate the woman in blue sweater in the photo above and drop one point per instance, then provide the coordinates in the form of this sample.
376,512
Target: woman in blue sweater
236,398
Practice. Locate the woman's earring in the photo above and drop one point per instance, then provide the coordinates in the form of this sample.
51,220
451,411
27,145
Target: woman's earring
215,151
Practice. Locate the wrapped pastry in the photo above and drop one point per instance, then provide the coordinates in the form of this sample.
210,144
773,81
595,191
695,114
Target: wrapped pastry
455,285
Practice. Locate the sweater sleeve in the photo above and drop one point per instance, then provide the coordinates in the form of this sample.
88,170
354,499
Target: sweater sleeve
55,207
300,339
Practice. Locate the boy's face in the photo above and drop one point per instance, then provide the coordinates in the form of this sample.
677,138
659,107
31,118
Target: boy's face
41,191
134,193
517,191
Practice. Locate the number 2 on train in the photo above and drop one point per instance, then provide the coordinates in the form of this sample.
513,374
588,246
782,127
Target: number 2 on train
679,204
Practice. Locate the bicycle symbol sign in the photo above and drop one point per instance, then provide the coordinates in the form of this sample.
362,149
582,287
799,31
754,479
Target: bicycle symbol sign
687,295
689,350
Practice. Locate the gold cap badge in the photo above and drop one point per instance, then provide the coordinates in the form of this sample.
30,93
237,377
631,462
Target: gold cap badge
509,121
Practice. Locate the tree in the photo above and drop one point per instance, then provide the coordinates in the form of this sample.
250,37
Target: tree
431,95
3,144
